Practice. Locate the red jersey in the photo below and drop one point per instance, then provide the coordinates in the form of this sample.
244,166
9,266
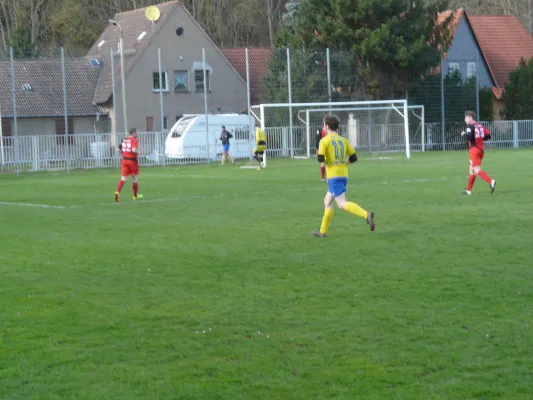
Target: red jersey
128,144
477,134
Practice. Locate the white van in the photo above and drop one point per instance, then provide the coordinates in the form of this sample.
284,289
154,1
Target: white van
187,138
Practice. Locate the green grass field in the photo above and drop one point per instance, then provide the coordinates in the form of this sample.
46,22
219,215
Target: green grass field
212,287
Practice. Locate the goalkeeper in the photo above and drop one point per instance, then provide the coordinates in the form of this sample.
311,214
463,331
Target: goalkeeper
260,145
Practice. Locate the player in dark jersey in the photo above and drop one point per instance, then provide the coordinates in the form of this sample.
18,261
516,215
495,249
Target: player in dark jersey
476,135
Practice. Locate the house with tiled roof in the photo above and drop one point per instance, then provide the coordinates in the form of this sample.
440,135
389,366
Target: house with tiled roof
38,98
180,40
496,44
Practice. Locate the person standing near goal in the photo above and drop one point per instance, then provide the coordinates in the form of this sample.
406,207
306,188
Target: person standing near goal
129,149
336,152
476,135
260,145
319,135
225,136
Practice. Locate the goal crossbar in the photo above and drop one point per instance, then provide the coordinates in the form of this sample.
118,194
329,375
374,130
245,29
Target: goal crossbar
356,109
339,103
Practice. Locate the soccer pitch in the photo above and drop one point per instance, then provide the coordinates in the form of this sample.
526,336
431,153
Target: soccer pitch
212,287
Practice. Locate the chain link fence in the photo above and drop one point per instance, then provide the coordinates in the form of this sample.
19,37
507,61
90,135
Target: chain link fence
63,112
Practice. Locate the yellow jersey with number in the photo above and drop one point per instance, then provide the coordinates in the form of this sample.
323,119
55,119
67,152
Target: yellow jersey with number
337,151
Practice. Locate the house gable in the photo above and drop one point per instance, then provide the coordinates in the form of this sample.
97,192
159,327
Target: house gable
464,52
139,36
180,41
133,24
504,42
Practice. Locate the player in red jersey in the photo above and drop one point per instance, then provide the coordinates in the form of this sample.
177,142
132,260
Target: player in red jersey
320,134
129,149
476,135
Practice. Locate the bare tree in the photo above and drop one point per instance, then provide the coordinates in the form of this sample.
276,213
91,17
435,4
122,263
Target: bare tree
8,23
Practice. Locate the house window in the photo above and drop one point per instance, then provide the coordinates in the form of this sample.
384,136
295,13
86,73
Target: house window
149,124
6,131
165,123
160,84
471,70
453,67
61,132
181,81
199,80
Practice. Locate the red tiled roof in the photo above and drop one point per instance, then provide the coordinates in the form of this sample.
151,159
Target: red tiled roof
258,63
504,42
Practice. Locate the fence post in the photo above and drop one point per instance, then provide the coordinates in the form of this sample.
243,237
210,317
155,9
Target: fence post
369,129
516,142
15,124
65,111
443,122
114,138
35,155
249,102
328,66
162,111
290,101
1,138
114,121
477,88
206,107
423,129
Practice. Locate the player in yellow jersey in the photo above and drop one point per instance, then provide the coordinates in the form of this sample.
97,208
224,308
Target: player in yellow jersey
260,145
337,153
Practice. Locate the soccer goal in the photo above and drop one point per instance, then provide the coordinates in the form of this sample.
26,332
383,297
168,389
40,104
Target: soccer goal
373,126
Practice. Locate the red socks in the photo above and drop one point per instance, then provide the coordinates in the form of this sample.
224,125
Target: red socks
471,180
323,171
483,175
135,186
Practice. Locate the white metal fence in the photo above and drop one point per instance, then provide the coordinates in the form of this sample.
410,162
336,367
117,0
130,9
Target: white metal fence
505,134
84,151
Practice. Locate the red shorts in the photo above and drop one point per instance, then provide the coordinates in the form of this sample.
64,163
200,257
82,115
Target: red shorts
476,156
130,167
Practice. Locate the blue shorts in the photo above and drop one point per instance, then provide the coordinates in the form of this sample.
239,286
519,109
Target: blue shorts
337,186
225,147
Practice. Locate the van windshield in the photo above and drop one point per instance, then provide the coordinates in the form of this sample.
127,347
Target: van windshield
180,128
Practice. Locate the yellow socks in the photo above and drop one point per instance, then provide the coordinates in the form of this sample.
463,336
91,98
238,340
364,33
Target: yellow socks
326,220
353,208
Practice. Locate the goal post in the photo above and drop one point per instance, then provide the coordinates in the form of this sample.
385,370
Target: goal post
376,126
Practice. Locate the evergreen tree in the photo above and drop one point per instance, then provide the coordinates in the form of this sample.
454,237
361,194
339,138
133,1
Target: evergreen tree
379,47
518,93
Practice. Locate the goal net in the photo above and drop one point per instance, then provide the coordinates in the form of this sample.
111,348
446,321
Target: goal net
372,126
